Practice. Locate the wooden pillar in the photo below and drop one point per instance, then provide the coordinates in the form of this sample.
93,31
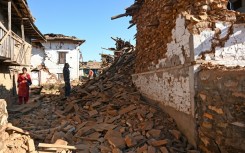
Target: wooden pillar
11,49
22,30
9,15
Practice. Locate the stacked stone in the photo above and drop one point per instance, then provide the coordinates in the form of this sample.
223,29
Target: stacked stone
156,19
220,99
13,139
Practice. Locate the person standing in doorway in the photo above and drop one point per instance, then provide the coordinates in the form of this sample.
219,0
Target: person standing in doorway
66,74
24,82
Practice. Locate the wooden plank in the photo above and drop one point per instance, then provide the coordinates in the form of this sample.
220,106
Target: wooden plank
119,16
46,151
45,145
5,36
2,27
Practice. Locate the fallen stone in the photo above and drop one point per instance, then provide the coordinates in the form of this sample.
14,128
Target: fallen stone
92,113
31,145
126,110
154,133
130,141
164,150
117,142
116,150
158,143
142,149
175,133
151,149
115,139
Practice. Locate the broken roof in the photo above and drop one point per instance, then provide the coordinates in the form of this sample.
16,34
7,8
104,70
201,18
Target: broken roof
51,36
20,11
90,65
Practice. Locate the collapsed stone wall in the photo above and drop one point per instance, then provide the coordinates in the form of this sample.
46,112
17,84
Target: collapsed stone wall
155,27
175,38
220,99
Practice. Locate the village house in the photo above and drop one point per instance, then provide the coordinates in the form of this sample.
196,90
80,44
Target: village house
48,58
90,65
17,29
190,59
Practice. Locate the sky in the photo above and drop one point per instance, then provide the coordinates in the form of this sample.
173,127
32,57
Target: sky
86,19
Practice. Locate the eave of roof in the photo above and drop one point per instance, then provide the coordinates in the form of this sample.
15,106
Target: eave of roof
21,11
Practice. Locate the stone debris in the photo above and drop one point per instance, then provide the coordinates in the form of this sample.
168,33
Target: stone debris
13,140
106,114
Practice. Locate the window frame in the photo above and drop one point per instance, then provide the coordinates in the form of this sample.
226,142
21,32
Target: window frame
59,57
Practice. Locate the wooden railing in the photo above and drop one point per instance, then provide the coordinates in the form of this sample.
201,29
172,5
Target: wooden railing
13,48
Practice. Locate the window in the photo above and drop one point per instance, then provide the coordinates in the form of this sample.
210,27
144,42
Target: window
60,76
62,58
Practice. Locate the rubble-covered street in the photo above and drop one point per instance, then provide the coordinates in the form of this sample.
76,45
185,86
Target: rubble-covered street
106,114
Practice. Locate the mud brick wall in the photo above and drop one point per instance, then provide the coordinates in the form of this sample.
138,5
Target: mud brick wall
3,113
155,31
156,19
175,38
221,109
8,84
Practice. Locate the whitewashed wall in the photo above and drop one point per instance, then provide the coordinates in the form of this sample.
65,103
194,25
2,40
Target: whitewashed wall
170,83
37,56
52,50
233,51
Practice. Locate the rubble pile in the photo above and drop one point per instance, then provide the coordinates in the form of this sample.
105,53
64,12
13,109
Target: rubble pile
106,114
13,139
107,60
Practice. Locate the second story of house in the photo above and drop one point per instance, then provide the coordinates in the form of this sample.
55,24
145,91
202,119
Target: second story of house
17,29
55,52
58,49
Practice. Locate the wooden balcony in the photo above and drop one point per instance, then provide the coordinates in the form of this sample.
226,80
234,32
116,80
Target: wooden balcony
14,50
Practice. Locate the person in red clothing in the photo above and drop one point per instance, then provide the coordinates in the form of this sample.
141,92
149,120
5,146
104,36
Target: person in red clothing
91,74
24,81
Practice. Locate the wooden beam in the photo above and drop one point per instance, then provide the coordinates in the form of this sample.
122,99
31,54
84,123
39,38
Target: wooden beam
45,145
5,36
131,25
119,16
3,28
16,9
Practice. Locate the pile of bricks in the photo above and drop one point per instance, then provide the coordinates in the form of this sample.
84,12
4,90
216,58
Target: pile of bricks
13,139
106,114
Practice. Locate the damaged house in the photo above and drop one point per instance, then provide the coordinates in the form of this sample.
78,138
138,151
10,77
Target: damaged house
190,62
48,58
90,65
17,29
